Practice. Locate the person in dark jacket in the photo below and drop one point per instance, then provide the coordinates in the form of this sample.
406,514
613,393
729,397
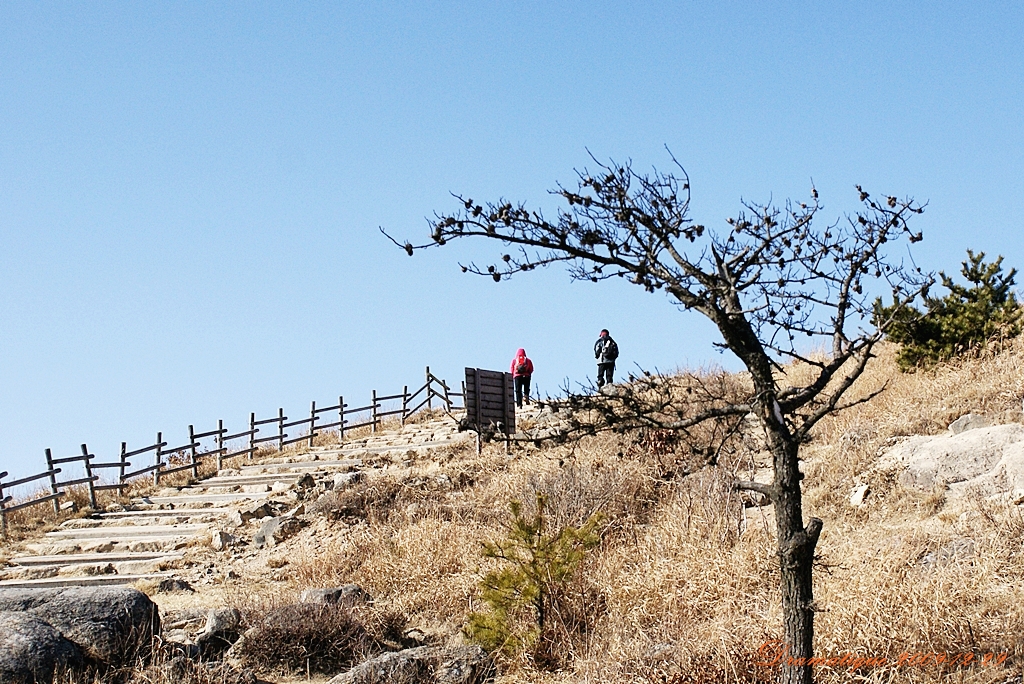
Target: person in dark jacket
605,351
522,371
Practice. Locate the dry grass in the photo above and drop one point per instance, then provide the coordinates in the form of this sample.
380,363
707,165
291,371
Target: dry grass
684,585
686,578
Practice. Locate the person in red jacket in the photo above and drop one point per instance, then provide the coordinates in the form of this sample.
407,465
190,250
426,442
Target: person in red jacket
522,370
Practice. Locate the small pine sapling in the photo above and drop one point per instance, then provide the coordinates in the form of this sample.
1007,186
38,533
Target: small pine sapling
529,589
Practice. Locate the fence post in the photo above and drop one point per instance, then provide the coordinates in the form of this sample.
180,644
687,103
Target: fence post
158,462
430,397
3,509
280,429
220,445
192,448
373,408
405,402
464,395
124,462
252,435
447,399
341,420
87,457
53,481
312,422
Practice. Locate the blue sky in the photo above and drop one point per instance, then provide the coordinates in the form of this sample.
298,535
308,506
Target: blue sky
190,193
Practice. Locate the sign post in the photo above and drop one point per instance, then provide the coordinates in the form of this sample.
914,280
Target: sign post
490,403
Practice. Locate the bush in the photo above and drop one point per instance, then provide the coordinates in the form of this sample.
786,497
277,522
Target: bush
965,319
528,597
306,637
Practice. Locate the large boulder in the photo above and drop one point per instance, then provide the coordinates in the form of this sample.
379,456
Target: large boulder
109,625
31,650
988,461
423,665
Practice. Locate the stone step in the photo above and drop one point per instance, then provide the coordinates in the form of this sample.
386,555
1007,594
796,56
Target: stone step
127,532
123,544
204,498
84,581
168,517
65,559
268,479
412,446
164,513
304,466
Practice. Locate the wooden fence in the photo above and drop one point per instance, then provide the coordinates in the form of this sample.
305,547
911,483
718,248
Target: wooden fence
189,456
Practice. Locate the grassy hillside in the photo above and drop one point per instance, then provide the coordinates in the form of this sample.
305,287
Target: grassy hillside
683,587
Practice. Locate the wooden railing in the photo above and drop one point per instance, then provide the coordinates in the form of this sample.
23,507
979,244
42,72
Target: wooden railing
190,456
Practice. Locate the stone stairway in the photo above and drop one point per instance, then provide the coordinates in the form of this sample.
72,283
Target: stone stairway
153,534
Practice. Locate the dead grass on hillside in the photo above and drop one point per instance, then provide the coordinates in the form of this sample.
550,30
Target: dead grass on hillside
686,578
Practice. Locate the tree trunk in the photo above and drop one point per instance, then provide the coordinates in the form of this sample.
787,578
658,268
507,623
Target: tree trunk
796,559
796,544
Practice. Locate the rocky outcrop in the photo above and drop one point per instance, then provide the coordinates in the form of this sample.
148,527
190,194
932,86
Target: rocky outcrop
987,461
31,650
423,665
108,625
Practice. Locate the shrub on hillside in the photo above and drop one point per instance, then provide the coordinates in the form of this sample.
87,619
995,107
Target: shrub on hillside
306,637
967,318
529,598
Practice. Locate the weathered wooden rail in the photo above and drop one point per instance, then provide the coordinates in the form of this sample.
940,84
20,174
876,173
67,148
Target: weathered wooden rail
190,456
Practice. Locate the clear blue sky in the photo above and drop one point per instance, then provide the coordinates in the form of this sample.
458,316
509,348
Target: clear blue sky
190,192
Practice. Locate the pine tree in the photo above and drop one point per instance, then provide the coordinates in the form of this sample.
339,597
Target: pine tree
967,318
538,566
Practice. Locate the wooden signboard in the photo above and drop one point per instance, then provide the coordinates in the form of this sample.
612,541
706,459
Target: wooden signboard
490,401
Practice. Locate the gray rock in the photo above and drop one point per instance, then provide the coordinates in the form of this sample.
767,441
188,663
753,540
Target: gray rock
342,480
274,531
171,585
988,461
222,620
220,540
347,593
254,511
31,649
111,625
423,665
968,421
859,494
223,628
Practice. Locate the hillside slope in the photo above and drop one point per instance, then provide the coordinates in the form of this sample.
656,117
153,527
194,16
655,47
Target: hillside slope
683,585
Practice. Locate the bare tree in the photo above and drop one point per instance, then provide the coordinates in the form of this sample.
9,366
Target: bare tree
774,283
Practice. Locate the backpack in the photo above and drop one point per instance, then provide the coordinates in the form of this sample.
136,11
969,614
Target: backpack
611,350
522,368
